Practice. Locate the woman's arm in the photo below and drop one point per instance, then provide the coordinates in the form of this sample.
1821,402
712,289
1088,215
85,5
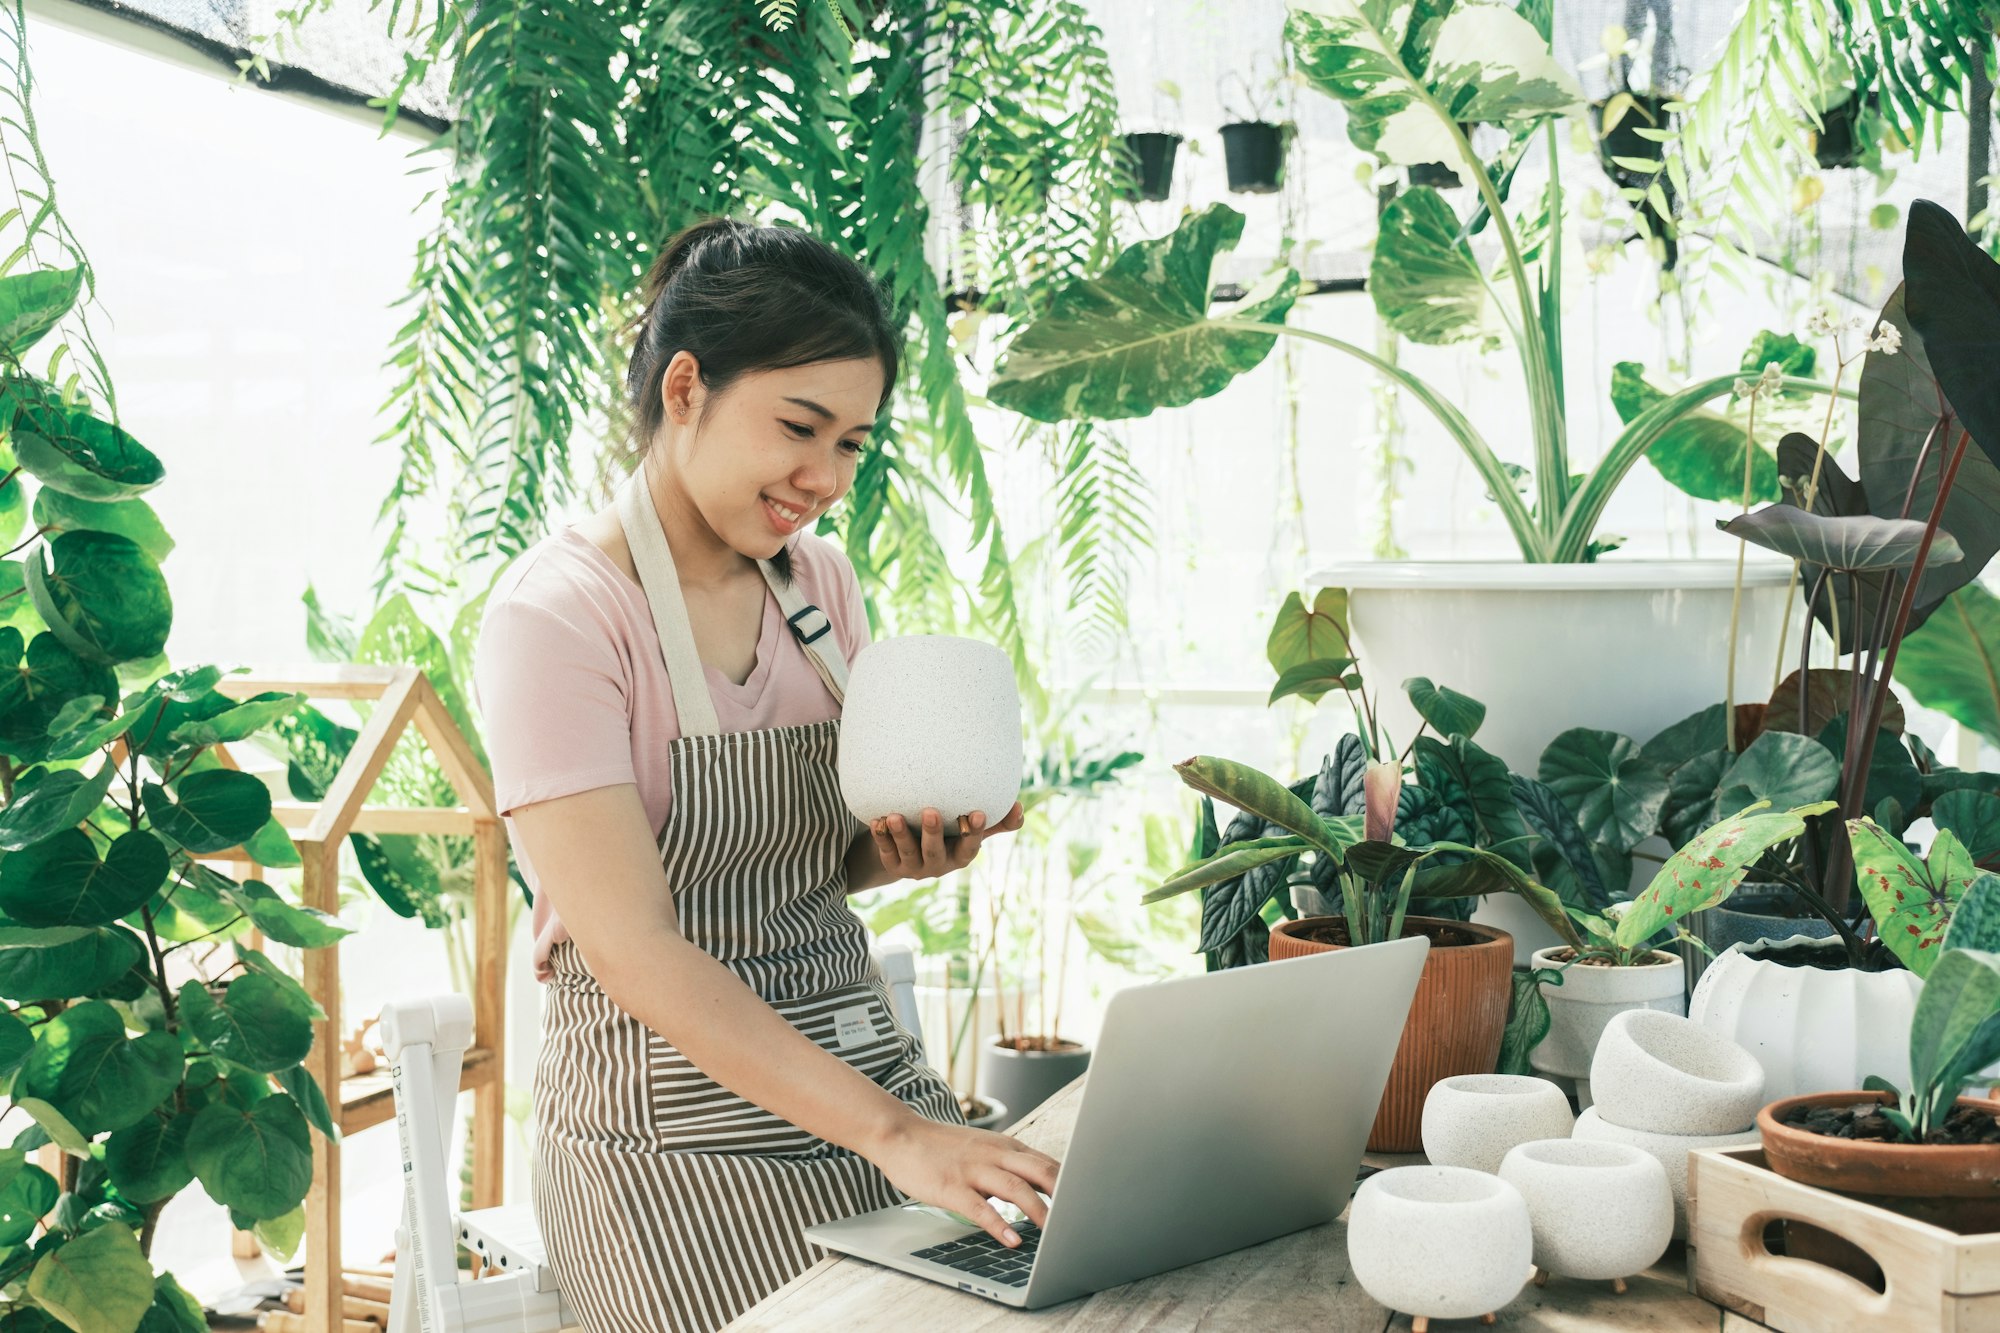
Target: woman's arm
594,854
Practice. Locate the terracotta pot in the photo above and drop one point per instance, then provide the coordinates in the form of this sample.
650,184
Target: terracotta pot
1455,1022
1949,1185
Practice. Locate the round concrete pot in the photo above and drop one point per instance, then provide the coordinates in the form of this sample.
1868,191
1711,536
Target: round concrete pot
1813,1029
1599,1210
1456,1018
992,1117
1670,1075
1026,1079
1946,1184
1591,996
1472,1120
890,765
1670,1150
1443,1242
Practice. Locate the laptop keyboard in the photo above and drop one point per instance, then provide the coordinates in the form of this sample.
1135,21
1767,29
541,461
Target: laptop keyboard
982,1256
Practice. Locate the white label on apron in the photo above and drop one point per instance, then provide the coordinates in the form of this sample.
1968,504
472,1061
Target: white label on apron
852,1027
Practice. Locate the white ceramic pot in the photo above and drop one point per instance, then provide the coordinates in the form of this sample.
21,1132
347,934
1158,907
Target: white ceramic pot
1472,1120
1670,1150
1599,1210
1813,1029
1630,646
931,720
1670,1075
1440,1241
1592,996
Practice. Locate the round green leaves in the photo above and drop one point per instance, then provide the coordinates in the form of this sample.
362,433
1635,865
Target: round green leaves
102,596
60,881
1615,794
259,1024
256,1159
71,450
95,1076
208,811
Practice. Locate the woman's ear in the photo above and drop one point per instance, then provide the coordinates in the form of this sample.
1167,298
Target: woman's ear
680,388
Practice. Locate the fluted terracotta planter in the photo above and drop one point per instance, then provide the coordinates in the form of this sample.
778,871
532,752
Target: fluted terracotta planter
1455,1022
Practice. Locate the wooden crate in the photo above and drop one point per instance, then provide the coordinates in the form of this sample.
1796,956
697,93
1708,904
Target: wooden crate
1932,1278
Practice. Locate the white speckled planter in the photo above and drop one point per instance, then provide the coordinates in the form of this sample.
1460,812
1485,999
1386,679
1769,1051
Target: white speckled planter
1669,1075
931,720
1471,1120
1592,996
1599,1210
1441,1241
1671,1150
1813,1029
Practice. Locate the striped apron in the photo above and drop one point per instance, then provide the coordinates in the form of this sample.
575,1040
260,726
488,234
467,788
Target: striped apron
668,1202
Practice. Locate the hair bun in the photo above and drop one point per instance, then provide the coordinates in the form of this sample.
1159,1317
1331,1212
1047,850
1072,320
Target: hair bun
682,247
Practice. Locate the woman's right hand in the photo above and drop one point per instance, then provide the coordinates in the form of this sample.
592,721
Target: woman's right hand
960,1168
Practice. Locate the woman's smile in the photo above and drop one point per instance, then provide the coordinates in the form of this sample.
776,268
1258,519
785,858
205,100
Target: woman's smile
784,518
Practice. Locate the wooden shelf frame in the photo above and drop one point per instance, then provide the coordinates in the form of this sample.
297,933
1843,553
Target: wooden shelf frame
403,696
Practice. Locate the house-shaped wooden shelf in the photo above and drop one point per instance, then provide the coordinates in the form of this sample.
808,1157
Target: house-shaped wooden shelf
402,695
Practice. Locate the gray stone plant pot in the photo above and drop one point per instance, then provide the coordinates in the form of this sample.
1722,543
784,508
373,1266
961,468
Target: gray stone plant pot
1026,1079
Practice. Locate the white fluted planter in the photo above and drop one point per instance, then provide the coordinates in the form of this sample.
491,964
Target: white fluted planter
1442,1241
1473,1120
1590,997
931,720
1666,1074
1812,1029
1599,1210
1670,1150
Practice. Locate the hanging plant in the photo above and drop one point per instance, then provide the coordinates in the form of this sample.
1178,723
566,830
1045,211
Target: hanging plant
1253,148
1152,160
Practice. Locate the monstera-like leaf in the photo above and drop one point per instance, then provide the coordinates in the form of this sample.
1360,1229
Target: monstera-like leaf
1138,337
1426,284
1702,452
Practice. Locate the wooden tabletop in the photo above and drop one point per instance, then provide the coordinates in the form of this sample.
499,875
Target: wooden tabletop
1295,1281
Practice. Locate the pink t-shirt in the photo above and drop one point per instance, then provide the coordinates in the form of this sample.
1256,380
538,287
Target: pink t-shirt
574,692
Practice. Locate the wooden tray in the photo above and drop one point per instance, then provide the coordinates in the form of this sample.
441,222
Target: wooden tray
1930,1277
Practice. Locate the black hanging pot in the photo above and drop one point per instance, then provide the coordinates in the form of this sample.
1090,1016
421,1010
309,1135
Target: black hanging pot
1837,144
1646,111
1152,163
1254,152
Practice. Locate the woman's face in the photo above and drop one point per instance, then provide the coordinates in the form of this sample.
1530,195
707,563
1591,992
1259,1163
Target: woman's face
775,451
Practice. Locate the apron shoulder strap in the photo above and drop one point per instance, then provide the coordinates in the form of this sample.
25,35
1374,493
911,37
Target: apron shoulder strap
813,628
662,584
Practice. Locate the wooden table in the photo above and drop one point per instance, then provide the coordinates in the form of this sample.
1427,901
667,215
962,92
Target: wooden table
1294,1282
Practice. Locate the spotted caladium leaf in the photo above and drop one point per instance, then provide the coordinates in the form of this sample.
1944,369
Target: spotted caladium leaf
1707,870
1911,901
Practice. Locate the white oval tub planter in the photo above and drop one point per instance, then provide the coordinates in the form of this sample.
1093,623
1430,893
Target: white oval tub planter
1600,1211
1473,1120
1439,1242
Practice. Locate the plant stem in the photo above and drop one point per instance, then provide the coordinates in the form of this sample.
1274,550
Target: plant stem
159,965
1736,593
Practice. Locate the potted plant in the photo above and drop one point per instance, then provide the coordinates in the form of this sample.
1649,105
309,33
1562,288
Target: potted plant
1152,152
1253,148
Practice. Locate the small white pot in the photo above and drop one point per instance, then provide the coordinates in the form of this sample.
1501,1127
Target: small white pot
1440,1241
1472,1120
1599,1210
931,720
1812,1029
1670,1075
1591,996
1670,1150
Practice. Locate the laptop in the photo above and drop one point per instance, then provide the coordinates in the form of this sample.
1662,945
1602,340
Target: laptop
1220,1111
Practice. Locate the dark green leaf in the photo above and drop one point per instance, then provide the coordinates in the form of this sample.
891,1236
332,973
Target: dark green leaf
76,967
258,1024
1783,768
148,1160
1546,814
1448,712
29,1194
84,1065
73,451
61,882
1695,734
1952,289
1311,680
305,1090
211,811
173,1310
234,724
102,596
36,688
1615,794
1973,817
257,1159
1860,542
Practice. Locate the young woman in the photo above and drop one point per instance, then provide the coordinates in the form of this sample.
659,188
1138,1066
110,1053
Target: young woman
661,685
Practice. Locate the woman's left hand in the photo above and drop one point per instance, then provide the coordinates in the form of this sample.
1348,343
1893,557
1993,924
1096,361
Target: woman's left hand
928,853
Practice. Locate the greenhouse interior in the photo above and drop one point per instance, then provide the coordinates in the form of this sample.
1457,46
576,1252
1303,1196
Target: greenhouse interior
740,635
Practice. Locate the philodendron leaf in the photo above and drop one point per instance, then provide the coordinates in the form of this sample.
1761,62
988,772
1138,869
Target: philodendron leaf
1615,794
1259,794
1702,453
86,1067
1708,869
1912,903
1449,712
60,881
32,303
1138,338
1424,279
71,450
210,811
1952,664
102,596
1783,768
257,1159
96,1282
1312,680
1952,290
1839,543
1695,734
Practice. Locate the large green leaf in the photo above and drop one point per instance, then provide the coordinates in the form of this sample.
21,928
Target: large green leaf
211,811
71,968
148,1160
73,451
86,1067
1952,289
1953,1031
1973,817
1425,281
27,1196
1695,734
1702,453
35,687
1311,681
1480,778
287,923
1781,767
57,512
1828,691
258,1024
1840,543
1546,814
1911,902
1708,869
173,1309
1952,664
1615,794
1449,712
60,800
1138,337
257,1159
1299,636
61,881
1236,859
34,302
234,724
305,1090
1261,795
1892,774
99,1282
103,596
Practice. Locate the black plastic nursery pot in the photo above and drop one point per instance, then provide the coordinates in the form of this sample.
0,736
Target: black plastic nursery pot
1254,153
1152,163
1434,174
1647,112
1837,146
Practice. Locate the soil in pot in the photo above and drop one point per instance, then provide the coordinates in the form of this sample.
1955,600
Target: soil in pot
1839,1141
1456,1018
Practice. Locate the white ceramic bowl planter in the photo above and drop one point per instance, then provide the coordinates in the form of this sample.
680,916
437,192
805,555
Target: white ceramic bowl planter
1591,996
1472,1120
931,720
1439,1242
1599,1210
1665,1074
1670,1150
1813,1029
